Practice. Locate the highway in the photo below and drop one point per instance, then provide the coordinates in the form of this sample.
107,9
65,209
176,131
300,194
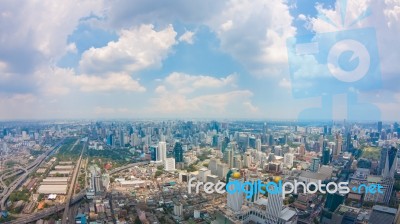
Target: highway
47,212
71,190
16,183
119,169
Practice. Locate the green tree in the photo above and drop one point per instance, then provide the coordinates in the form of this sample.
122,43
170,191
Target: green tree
158,173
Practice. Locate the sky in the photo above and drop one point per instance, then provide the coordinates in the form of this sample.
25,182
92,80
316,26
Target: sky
228,59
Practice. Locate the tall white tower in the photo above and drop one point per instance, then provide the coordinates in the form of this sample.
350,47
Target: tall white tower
258,145
274,205
235,200
162,151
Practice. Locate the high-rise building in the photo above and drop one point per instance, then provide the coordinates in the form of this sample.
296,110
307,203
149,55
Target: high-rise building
338,145
237,161
178,152
162,151
253,178
110,140
333,201
314,164
213,166
390,162
258,144
235,200
121,139
288,160
247,159
326,156
203,173
382,214
169,164
379,126
153,153
274,206
224,145
349,144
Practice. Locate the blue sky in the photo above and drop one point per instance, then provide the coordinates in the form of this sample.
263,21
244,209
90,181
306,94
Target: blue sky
227,59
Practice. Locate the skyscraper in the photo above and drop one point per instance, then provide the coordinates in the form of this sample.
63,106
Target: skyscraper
178,152
390,161
121,139
162,151
258,144
326,156
235,200
274,206
288,160
333,201
379,126
153,153
314,165
338,145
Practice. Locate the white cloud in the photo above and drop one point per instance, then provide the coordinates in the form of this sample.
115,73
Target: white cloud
111,82
58,81
183,94
255,33
227,25
302,17
187,37
185,83
34,33
136,49
219,105
72,48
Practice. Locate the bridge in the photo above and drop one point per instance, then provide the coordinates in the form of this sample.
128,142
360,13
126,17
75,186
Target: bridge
119,169
47,212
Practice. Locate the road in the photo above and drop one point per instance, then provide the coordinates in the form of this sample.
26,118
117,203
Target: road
46,212
119,169
66,216
28,170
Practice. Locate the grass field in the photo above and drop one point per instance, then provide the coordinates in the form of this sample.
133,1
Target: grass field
373,153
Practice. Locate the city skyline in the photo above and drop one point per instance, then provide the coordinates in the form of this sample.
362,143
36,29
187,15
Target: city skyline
208,60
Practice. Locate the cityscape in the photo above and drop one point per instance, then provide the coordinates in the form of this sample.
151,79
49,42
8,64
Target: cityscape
199,112
138,171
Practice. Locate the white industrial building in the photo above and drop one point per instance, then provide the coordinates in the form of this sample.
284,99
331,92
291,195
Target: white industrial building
52,189
64,167
55,181
59,172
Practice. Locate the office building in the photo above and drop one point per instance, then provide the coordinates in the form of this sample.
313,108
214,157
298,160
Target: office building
382,214
258,144
235,200
162,151
169,164
326,156
314,164
178,152
153,153
333,201
288,160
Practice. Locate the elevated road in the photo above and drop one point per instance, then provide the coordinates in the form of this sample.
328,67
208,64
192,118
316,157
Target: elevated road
119,169
47,212
71,189
28,170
